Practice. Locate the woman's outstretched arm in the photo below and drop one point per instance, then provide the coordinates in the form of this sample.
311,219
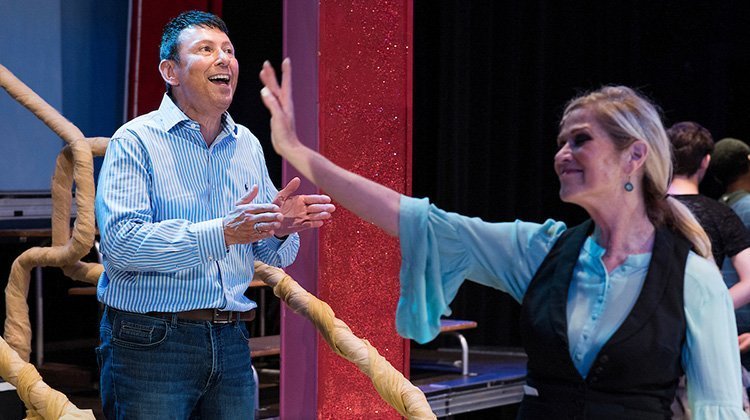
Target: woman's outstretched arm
367,199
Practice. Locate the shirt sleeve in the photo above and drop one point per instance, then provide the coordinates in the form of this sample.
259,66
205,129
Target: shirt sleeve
440,249
735,234
742,208
277,252
710,355
130,239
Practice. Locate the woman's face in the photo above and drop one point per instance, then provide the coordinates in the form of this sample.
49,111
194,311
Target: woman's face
590,169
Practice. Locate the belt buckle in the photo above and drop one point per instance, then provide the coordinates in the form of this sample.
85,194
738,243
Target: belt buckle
222,317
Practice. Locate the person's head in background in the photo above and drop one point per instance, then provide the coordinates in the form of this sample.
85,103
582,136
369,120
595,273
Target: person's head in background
692,145
730,164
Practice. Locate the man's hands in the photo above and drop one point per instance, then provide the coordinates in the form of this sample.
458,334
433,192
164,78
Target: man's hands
301,211
287,214
249,222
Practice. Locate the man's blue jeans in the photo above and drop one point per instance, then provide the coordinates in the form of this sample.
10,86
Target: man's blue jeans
162,368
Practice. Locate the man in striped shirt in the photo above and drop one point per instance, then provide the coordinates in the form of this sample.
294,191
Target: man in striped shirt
184,207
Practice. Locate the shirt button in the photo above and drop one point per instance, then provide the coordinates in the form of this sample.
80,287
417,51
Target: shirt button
210,258
579,357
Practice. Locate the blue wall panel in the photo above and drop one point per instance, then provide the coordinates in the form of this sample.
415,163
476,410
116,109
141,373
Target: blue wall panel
72,53
30,34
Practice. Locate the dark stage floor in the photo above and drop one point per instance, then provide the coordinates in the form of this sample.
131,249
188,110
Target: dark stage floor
493,387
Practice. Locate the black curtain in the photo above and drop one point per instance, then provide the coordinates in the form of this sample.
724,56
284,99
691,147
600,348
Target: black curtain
491,79
255,28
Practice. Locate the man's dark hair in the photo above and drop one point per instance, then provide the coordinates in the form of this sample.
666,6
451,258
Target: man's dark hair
691,142
730,160
172,30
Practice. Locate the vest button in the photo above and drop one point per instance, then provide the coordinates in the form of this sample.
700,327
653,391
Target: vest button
604,358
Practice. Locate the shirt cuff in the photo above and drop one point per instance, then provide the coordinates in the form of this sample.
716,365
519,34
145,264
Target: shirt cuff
274,242
287,249
211,245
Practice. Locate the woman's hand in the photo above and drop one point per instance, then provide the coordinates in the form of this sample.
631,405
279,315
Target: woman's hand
367,199
278,100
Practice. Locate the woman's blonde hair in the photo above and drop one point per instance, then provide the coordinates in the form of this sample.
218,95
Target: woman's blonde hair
626,116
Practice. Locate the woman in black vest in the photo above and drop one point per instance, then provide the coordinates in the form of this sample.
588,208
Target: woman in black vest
613,310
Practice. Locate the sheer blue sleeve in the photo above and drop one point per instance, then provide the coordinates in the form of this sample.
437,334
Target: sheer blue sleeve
439,250
711,356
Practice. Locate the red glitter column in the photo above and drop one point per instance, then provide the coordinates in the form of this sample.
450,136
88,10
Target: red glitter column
362,67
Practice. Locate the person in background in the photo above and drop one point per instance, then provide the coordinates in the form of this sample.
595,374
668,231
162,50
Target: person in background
185,206
614,311
692,145
730,165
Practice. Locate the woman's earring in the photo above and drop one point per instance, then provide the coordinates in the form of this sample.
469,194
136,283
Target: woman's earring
628,185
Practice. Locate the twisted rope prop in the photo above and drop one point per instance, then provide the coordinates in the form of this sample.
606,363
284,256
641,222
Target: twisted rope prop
75,162
392,386
47,403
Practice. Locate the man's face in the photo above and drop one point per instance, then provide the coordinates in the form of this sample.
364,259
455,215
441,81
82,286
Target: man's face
206,73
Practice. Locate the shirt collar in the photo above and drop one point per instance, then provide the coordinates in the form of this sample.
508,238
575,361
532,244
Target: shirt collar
592,247
173,115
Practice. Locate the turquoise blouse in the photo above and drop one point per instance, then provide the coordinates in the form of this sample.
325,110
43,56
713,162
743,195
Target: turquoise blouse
439,250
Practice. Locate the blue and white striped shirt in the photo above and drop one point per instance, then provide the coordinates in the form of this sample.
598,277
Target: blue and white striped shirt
160,202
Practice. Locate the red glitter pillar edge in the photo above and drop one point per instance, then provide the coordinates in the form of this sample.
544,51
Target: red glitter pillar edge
364,65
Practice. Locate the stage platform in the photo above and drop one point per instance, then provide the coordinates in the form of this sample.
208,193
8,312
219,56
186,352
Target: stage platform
496,378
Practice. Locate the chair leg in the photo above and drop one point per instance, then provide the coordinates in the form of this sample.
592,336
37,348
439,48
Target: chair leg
464,352
257,392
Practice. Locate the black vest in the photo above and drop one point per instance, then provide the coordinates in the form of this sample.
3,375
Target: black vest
636,372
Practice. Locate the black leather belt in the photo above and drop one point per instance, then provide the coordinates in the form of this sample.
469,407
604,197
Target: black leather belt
215,316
